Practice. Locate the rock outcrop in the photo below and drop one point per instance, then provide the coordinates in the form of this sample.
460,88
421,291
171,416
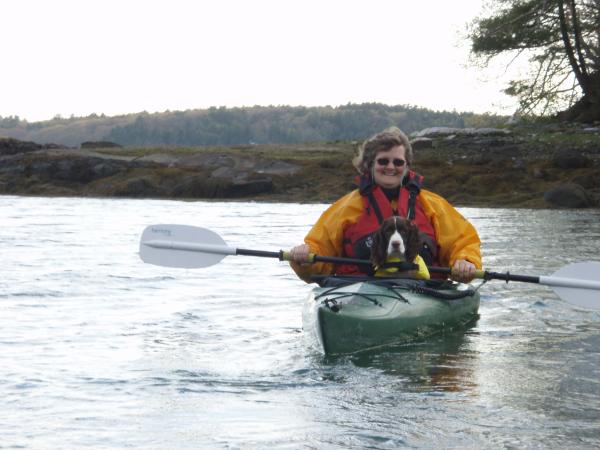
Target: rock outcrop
10,146
570,195
29,168
566,158
99,144
446,131
535,167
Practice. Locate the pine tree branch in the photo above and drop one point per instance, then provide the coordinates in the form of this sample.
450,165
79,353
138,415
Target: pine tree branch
578,40
569,47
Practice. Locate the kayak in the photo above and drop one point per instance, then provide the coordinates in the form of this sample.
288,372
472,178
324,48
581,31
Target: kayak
352,314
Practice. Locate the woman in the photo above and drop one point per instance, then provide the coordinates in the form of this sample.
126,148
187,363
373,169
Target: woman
386,187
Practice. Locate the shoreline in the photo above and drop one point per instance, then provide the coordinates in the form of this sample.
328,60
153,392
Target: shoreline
282,202
524,168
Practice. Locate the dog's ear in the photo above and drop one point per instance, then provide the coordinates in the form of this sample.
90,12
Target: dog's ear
413,242
378,248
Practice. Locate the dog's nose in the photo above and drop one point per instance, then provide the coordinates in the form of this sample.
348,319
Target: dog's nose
396,245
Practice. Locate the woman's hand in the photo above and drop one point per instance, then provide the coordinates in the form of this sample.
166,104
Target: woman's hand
300,254
463,271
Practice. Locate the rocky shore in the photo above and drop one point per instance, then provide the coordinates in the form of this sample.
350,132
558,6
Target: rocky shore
535,167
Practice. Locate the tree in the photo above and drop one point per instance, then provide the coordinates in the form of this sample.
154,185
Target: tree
561,39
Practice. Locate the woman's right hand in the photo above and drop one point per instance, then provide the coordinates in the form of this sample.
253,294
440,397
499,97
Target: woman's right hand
299,255
463,271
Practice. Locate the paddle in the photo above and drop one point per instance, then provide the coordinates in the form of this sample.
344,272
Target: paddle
190,247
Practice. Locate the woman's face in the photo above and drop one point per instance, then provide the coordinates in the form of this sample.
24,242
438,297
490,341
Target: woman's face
390,175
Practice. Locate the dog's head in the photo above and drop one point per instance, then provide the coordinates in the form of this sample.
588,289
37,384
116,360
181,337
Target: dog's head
397,237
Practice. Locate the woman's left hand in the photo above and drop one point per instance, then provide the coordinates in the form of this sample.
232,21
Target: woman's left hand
300,255
463,271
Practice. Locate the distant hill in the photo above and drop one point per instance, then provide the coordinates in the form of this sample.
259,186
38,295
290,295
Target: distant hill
240,126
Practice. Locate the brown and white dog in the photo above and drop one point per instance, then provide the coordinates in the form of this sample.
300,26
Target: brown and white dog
396,240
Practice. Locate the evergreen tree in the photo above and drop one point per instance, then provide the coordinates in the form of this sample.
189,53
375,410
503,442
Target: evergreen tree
561,39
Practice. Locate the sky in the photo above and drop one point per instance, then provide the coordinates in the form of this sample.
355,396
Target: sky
73,57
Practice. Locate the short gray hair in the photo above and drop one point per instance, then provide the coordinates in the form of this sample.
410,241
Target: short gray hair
384,141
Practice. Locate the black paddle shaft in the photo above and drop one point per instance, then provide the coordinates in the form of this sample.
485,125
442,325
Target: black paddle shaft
262,253
317,258
507,276
492,275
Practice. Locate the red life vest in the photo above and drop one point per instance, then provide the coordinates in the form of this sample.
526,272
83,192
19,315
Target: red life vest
358,237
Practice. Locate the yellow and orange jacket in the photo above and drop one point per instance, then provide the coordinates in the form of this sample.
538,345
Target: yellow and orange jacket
456,237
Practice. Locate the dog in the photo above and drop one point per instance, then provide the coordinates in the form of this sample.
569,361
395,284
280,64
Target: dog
396,241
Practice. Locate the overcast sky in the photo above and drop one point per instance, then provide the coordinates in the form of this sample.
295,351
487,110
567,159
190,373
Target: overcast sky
124,56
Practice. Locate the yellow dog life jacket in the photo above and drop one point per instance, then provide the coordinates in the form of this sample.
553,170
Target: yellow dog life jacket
420,274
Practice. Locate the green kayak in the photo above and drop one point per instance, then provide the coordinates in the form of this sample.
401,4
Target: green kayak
347,315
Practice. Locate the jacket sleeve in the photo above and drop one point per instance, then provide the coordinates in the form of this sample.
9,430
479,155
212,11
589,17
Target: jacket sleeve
456,236
326,238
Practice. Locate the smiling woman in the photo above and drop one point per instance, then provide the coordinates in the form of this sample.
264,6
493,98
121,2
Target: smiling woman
387,159
387,187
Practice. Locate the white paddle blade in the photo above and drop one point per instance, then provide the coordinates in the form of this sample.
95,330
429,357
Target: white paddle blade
583,287
182,246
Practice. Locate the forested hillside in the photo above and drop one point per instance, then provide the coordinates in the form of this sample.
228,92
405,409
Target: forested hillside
234,126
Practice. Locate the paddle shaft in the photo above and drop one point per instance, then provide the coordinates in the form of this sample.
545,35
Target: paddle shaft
285,256
226,250
485,275
544,280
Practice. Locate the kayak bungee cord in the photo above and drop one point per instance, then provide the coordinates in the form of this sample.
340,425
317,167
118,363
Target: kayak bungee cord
428,287
345,294
407,285
456,295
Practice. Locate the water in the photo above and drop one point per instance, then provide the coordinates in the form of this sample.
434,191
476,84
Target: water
100,350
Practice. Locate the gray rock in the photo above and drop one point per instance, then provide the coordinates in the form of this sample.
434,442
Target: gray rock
570,195
229,175
139,188
435,132
519,164
248,188
106,169
67,169
219,187
276,168
570,159
208,160
539,173
10,146
100,144
446,131
421,143
159,158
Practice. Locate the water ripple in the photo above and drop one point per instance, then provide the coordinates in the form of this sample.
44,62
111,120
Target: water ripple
100,350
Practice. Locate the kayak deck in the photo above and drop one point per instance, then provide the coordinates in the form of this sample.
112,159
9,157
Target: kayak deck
347,315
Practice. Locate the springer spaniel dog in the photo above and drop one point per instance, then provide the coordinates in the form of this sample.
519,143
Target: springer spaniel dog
397,240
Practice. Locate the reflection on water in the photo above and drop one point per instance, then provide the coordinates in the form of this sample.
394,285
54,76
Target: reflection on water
441,363
100,350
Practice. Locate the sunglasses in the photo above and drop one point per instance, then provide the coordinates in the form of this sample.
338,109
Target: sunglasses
385,161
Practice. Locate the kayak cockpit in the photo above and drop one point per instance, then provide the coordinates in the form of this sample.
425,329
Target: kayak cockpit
349,314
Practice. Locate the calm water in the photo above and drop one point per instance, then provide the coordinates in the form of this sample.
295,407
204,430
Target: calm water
99,350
